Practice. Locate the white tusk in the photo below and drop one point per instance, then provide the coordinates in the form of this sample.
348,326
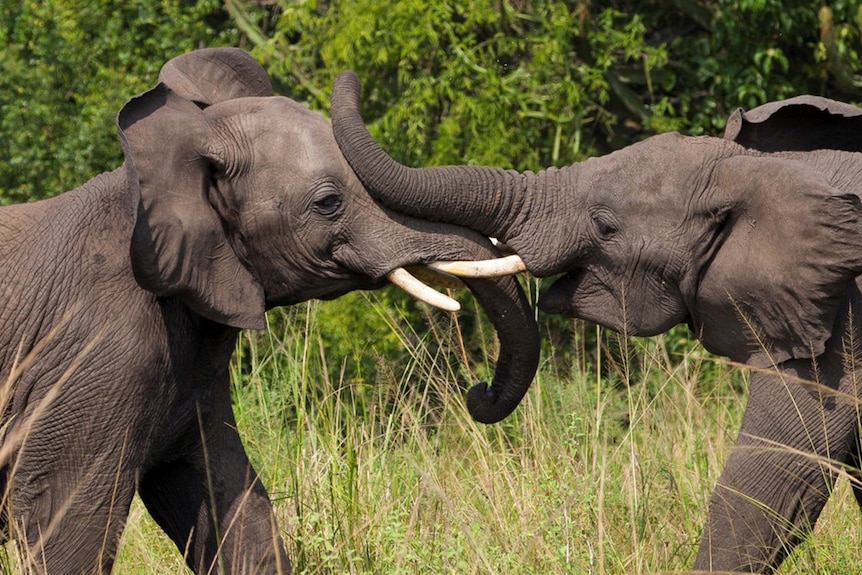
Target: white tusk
403,279
505,266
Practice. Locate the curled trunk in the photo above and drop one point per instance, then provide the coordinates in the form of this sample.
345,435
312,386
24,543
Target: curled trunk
438,194
518,359
438,200
509,311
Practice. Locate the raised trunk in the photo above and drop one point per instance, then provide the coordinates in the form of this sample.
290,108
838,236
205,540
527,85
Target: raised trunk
450,195
497,203
484,199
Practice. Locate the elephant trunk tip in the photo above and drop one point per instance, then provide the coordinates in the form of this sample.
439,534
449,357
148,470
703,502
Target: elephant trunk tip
345,94
485,406
345,79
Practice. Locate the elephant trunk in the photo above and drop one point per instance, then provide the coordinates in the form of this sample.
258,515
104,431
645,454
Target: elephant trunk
495,195
449,195
506,305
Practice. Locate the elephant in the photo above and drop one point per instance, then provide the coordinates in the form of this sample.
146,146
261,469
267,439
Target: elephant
753,240
122,301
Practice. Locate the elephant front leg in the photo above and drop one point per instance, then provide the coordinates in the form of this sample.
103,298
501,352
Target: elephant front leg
213,506
779,475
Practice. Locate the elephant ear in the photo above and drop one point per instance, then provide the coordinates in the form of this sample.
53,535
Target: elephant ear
179,244
802,123
213,75
786,250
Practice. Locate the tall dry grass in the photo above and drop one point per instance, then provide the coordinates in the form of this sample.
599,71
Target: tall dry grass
606,467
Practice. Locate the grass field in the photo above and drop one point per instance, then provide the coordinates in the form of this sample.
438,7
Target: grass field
593,474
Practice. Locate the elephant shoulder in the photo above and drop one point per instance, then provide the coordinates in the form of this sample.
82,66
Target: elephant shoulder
72,246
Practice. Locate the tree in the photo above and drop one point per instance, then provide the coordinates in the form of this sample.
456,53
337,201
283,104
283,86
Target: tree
67,68
531,83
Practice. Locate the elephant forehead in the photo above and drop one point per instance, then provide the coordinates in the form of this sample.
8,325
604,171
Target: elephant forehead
662,172
266,105
310,142
273,150
273,123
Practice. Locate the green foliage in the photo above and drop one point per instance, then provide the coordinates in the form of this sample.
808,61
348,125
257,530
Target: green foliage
67,67
762,50
529,84
509,83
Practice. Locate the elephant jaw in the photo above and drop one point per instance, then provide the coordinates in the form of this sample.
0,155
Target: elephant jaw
446,274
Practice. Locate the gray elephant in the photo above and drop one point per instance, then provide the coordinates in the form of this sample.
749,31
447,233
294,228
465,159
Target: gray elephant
753,240
121,301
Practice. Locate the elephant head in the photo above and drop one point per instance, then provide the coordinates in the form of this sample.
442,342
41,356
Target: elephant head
753,250
245,203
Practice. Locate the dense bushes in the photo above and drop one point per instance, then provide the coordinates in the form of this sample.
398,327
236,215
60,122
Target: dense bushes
68,66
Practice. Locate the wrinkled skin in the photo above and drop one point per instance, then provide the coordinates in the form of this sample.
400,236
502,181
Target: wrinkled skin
753,240
121,301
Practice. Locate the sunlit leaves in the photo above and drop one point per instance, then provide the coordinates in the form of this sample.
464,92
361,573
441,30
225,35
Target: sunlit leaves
522,84
68,66
528,84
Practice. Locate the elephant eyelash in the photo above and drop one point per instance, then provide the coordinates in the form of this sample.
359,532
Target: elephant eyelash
605,227
328,205
606,230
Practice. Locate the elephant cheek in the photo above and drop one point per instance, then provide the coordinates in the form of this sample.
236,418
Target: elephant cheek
644,312
559,297
583,296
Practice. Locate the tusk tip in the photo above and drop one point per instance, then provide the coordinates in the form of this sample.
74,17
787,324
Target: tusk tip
403,279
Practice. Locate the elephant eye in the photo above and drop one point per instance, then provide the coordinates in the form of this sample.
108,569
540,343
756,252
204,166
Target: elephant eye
605,224
327,205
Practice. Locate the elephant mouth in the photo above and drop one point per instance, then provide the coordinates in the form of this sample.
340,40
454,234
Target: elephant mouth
415,279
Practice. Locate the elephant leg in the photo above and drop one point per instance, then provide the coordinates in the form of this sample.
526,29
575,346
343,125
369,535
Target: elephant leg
213,506
68,514
854,469
778,477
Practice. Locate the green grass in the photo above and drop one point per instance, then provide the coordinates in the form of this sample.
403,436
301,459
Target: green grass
386,473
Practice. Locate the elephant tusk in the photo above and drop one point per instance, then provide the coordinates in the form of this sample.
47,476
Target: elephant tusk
504,266
403,279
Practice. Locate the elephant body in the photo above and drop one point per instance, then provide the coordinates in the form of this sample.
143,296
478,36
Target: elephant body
121,301
143,382
753,240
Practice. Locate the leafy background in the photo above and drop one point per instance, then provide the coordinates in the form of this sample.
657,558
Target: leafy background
520,83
